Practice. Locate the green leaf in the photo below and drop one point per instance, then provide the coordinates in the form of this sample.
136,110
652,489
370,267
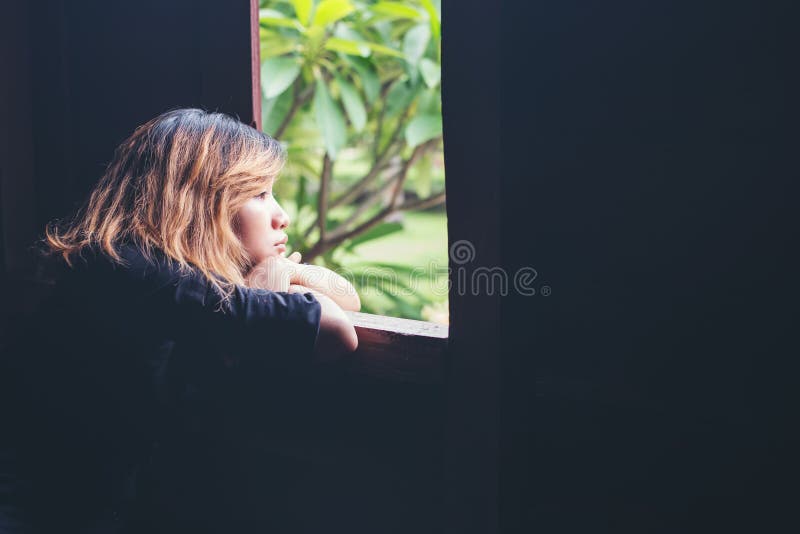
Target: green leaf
433,17
423,178
385,50
384,25
330,262
345,31
266,22
345,46
314,37
422,128
352,104
329,11
399,97
394,288
376,232
415,42
399,28
279,50
396,10
277,74
273,17
370,83
274,13
431,72
413,73
301,196
313,200
332,222
430,102
274,110
397,267
329,119
302,9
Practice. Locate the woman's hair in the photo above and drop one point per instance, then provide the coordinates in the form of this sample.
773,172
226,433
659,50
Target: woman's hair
175,185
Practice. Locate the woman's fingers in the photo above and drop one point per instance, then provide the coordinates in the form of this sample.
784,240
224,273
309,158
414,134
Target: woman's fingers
294,256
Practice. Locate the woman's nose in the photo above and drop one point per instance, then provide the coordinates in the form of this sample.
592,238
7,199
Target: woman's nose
281,219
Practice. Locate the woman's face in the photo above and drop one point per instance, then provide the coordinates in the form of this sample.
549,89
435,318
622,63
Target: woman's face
260,224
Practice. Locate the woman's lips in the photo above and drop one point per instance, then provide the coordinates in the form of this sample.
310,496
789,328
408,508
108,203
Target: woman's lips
281,247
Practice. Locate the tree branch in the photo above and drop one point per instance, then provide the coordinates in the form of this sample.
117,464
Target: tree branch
365,205
396,180
399,128
357,188
322,200
299,101
353,191
382,98
423,203
383,158
340,234
323,246
415,155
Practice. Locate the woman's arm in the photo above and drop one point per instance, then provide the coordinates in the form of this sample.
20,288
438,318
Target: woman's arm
325,281
336,333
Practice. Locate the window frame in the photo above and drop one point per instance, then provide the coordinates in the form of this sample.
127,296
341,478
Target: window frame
390,348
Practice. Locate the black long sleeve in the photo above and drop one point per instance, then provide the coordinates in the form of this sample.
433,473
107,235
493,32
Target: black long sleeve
130,379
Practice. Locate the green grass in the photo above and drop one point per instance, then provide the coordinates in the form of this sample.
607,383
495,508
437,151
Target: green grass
421,245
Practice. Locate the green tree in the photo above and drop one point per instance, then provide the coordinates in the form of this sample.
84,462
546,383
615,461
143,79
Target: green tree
360,78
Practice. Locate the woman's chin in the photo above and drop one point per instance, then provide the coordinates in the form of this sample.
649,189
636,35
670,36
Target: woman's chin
263,256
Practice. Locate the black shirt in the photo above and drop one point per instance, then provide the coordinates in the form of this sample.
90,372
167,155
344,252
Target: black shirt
132,388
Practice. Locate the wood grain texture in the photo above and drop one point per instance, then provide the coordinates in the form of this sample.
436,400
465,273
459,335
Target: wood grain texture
399,349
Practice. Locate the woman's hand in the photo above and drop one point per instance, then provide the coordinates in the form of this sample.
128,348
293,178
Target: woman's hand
275,273
326,282
278,273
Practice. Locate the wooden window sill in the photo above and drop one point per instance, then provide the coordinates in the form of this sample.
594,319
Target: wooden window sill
401,350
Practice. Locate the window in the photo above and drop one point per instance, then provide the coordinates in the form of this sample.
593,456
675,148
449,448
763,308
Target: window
352,90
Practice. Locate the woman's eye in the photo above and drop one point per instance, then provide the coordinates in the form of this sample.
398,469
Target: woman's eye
263,195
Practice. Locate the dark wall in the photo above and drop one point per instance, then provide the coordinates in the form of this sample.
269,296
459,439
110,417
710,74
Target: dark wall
17,220
649,174
472,141
102,70
80,76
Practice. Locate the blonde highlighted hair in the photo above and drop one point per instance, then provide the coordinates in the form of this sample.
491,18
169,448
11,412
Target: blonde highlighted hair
175,185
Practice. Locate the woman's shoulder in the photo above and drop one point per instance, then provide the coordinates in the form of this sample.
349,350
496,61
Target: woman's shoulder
142,269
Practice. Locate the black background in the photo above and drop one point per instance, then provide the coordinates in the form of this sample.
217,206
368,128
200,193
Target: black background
649,174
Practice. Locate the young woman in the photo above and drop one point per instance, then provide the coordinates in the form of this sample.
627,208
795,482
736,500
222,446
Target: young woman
170,337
